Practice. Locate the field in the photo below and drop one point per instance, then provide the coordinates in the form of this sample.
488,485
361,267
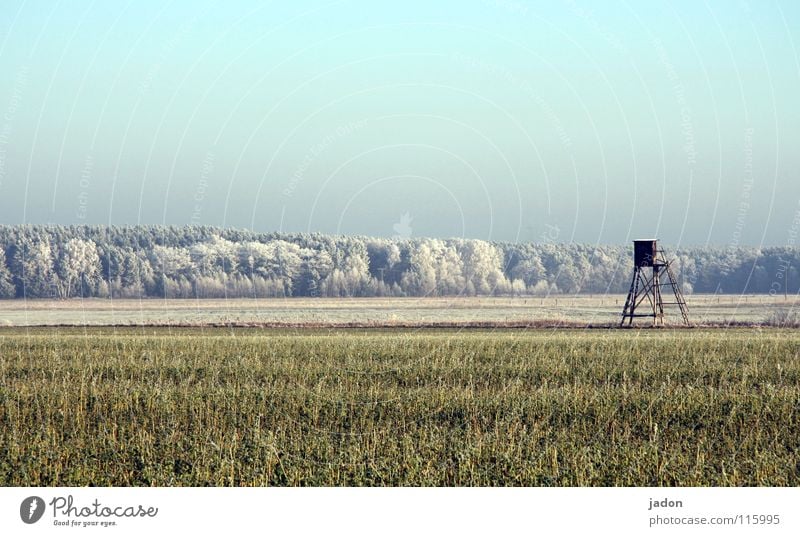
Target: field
579,310
538,407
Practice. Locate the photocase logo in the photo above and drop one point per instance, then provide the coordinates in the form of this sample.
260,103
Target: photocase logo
31,510
402,228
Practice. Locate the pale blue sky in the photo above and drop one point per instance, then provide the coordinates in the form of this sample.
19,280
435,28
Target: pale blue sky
498,119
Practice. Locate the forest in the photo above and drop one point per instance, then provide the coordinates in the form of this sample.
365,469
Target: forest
60,262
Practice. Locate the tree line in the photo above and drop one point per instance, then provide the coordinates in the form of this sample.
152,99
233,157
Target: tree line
43,261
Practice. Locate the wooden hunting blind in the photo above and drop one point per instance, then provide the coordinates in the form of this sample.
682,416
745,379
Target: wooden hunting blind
644,297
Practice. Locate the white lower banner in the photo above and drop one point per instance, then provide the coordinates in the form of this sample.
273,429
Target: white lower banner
120,511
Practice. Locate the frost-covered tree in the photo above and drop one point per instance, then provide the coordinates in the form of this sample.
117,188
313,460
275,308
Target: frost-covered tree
78,268
483,268
33,266
421,278
7,289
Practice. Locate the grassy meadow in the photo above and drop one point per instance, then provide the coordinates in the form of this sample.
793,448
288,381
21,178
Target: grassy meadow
256,407
573,310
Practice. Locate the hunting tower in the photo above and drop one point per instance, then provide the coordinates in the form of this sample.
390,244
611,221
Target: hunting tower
644,297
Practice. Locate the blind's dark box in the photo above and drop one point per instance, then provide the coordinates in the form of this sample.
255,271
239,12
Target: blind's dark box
644,252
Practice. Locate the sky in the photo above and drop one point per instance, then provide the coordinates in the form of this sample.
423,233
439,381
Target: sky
508,120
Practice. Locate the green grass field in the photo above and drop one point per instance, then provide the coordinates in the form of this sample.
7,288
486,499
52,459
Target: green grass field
167,407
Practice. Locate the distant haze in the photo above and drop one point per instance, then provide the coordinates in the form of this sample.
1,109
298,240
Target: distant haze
503,120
